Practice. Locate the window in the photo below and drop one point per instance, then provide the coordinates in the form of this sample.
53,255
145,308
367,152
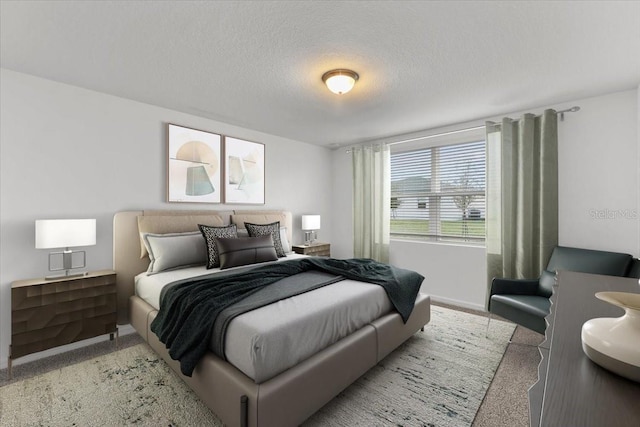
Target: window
438,193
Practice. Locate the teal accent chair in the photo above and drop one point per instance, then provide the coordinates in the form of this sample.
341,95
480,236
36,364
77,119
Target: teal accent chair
526,302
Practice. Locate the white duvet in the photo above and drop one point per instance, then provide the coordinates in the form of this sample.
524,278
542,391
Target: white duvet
267,341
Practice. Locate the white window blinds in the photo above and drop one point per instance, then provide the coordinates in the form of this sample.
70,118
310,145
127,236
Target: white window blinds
439,192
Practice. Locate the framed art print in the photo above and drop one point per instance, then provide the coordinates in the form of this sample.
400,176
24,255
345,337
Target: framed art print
244,171
194,165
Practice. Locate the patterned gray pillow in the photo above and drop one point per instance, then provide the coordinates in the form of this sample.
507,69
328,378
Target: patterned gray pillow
210,235
256,230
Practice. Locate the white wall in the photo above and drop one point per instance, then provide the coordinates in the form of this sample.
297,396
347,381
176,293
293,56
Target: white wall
451,272
342,192
598,174
67,152
599,162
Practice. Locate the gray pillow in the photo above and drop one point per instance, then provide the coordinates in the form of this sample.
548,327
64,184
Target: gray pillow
286,247
273,229
245,250
210,235
174,250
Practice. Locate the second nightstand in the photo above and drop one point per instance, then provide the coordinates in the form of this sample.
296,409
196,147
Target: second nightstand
315,249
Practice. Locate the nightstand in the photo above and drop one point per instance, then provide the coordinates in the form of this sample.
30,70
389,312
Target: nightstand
50,313
314,249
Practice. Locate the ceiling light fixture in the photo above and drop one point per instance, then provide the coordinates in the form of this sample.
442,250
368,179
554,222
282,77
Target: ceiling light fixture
340,81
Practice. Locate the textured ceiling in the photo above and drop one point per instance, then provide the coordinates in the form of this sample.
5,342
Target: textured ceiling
259,64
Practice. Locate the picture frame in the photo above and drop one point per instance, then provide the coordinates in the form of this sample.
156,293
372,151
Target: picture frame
244,166
194,165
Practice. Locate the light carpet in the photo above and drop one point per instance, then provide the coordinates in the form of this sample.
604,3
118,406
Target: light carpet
437,378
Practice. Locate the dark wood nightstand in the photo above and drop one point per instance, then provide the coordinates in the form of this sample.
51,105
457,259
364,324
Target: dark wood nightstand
50,313
315,249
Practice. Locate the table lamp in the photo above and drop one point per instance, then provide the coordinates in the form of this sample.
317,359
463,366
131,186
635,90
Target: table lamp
65,233
310,223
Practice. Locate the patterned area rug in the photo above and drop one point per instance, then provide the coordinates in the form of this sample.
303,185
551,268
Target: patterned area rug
437,378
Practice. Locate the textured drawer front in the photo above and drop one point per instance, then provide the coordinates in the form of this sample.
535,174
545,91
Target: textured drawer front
50,314
322,249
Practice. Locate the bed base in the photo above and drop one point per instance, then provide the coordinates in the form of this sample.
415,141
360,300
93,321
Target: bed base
294,395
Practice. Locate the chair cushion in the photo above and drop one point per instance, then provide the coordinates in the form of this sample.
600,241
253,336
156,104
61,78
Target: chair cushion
526,310
536,305
589,261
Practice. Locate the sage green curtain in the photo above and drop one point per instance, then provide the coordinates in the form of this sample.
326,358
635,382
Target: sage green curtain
522,195
371,201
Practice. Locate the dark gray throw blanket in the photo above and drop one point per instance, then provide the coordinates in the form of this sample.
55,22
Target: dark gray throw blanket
188,310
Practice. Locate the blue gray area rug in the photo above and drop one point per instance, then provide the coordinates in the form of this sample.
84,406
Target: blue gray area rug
437,378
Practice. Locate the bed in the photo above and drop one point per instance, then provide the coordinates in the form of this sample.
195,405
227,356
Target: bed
282,397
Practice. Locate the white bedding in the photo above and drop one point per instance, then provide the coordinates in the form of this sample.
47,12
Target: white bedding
269,340
148,287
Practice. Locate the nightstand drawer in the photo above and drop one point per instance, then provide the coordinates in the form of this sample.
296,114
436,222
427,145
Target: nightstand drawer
316,249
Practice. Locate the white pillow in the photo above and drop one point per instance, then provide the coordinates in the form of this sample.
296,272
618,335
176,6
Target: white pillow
285,241
174,250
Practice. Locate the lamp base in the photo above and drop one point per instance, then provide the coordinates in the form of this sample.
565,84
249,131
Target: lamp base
309,237
67,265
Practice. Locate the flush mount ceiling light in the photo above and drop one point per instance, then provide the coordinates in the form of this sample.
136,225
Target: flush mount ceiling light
340,81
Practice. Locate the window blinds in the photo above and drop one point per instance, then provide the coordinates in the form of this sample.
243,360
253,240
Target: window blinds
439,192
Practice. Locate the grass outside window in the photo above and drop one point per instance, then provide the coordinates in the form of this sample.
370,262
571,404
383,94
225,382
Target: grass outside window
459,229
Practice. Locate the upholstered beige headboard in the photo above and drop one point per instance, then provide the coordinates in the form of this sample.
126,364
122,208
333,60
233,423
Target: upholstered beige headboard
127,262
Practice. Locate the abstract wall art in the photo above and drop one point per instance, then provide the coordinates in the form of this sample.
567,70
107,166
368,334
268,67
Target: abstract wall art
244,171
194,165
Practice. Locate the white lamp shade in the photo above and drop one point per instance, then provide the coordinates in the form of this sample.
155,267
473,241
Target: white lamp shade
65,233
311,222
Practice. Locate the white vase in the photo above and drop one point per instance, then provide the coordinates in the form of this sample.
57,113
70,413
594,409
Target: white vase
614,343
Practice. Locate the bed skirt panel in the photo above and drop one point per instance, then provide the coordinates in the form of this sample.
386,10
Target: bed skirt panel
289,398
218,384
139,316
392,332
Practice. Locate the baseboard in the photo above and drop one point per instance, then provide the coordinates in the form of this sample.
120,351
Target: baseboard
122,330
459,303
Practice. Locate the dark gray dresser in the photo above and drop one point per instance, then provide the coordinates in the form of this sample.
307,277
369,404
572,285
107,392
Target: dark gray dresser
571,389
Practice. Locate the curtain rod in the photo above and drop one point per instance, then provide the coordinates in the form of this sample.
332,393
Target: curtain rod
561,112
